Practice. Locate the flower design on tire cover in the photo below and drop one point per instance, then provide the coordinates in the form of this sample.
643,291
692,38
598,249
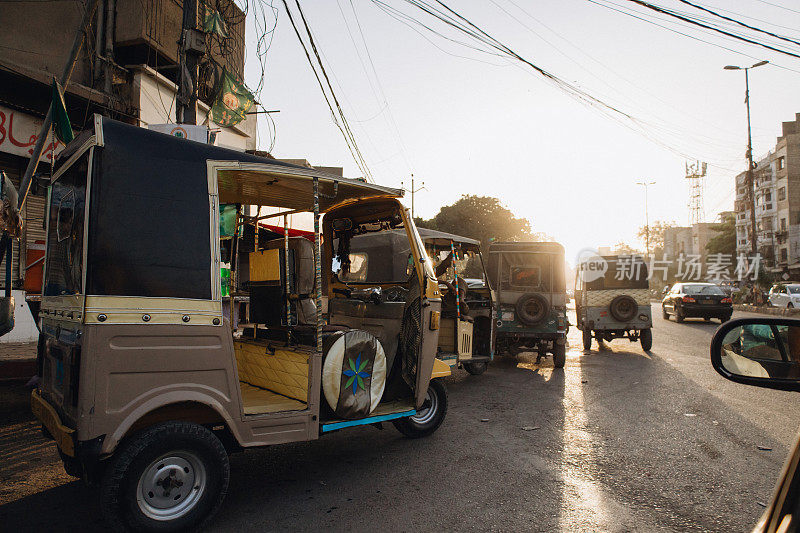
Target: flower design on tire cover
356,373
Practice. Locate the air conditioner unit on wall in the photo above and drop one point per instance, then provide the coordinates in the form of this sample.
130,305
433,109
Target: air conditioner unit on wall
193,132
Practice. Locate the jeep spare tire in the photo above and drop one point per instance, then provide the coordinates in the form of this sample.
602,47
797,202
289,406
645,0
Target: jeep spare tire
532,308
353,373
623,308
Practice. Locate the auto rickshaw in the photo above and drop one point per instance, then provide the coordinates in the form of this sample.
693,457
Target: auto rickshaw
466,327
528,278
150,377
612,299
466,338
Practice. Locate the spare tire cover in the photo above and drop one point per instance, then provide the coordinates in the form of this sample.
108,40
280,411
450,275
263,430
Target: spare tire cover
623,308
532,308
353,373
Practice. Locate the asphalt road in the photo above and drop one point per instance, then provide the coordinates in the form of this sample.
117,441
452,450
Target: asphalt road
618,441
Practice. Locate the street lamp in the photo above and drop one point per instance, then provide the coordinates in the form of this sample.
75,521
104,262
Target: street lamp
646,184
750,164
412,190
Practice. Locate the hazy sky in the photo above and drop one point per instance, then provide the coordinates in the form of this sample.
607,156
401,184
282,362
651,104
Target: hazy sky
466,122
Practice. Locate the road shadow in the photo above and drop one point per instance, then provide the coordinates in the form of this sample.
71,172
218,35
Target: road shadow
672,449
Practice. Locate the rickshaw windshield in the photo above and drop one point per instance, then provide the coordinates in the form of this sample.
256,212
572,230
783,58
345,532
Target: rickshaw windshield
427,264
64,269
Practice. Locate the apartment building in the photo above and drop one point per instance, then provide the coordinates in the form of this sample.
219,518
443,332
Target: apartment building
766,208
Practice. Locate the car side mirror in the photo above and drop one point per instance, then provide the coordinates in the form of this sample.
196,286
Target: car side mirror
764,352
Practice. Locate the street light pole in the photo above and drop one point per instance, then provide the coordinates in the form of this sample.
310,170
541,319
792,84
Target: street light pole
412,190
646,184
750,164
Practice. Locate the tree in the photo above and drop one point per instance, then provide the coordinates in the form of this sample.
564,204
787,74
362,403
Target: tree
623,249
724,242
657,231
479,217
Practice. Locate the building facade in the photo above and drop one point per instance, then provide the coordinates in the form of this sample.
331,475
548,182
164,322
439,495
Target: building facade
777,195
127,69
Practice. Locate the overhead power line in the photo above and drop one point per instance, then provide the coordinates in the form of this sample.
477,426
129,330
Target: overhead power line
742,24
689,20
338,116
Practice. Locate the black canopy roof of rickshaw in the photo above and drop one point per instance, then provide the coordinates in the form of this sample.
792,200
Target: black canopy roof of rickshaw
440,238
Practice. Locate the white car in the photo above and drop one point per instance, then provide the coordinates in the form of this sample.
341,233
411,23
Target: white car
785,295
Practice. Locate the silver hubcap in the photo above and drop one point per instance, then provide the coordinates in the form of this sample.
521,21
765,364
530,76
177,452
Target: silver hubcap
171,486
425,415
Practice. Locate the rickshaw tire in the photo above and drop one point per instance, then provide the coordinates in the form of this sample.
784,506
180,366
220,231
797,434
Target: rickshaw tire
475,369
646,339
664,313
559,355
587,339
412,430
679,316
120,480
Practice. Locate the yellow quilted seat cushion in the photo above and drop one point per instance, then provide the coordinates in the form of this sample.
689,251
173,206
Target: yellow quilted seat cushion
284,372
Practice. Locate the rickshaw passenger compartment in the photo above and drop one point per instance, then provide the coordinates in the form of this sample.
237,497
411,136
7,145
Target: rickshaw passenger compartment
272,379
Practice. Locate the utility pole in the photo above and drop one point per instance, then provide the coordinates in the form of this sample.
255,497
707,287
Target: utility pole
77,43
646,184
191,48
412,190
750,164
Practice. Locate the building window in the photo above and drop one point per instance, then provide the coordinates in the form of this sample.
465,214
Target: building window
769,196
781,163
782,193
784,255
783,224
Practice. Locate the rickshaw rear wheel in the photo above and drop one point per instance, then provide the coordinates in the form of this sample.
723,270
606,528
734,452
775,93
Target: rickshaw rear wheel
171,476
559,355
476,369
587,339
428,419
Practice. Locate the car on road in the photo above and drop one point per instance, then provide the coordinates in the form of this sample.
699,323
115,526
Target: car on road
612,300
785,295
697,300
530,285
765,352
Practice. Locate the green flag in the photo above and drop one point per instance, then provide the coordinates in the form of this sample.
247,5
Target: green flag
61,124
213,22
232,102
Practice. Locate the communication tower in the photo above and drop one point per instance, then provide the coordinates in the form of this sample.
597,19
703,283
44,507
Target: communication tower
695,172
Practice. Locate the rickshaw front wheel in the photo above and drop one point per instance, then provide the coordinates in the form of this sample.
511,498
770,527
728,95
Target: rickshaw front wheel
476,369
429,417
171,476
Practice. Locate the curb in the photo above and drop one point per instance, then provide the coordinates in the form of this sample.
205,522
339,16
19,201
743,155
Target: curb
18,369
767,310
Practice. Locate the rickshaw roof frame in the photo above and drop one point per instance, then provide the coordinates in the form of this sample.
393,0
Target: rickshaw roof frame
442,239
272,185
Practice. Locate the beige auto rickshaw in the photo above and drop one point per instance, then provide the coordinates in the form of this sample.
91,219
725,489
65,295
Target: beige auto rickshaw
151,377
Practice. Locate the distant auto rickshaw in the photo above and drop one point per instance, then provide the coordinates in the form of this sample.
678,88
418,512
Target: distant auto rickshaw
151,377
612,299
467,302
466,325
528,279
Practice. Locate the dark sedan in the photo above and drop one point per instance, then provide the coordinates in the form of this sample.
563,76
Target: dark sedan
701,300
